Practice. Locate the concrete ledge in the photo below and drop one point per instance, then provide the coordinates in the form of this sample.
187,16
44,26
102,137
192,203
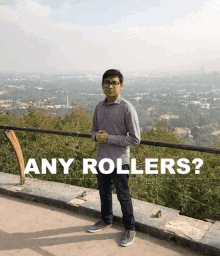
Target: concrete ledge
211,239
158,221
188,227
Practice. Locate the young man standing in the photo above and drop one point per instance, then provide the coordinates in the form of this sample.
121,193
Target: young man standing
115,127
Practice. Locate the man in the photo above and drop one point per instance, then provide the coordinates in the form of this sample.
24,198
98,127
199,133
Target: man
115,127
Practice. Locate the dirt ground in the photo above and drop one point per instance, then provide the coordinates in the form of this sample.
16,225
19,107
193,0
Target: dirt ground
29,229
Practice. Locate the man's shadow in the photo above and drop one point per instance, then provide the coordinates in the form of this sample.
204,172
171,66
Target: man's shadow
13,241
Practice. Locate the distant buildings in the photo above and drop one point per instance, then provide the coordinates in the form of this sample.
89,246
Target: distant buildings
203,69
215,74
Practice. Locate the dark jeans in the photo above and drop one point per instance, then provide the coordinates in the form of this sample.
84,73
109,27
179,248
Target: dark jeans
120,181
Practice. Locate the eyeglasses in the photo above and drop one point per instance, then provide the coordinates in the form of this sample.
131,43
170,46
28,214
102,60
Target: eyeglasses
114,84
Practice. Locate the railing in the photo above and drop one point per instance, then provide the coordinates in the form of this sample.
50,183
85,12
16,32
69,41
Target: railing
9,132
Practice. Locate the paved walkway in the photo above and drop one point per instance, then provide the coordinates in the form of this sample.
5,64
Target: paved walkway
29,228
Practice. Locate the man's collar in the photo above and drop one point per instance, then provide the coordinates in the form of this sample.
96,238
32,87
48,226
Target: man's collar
116,101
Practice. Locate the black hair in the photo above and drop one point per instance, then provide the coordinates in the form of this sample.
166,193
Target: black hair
113,73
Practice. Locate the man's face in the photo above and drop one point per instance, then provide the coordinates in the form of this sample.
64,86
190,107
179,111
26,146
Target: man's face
111,86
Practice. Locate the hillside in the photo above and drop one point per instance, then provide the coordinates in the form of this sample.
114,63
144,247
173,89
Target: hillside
195,195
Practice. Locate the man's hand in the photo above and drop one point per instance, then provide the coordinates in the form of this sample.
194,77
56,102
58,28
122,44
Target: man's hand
102,136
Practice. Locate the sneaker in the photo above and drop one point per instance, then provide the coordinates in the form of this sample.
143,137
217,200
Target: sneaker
98,226
127,237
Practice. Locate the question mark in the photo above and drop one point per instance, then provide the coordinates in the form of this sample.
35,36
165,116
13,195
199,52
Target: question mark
200,163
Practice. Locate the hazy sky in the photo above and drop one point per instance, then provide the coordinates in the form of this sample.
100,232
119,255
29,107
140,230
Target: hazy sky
130,35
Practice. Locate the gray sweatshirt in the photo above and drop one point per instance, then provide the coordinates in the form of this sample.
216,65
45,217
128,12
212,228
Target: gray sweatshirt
119,119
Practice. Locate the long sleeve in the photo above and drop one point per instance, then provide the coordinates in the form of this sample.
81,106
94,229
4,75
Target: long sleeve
133,135
94,125
119,119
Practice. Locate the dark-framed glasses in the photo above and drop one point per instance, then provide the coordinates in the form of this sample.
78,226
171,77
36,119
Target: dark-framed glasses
114,84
